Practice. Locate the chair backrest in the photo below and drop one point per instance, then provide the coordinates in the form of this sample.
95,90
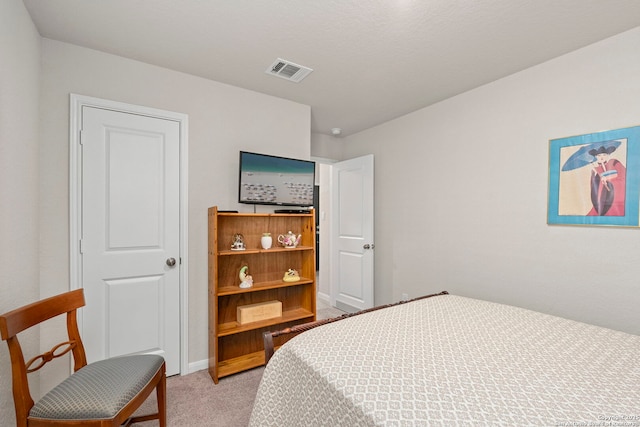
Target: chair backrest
20,319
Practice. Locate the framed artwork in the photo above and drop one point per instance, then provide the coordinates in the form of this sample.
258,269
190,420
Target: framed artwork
594,179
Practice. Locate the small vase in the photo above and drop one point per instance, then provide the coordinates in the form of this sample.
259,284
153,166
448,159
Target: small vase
266,241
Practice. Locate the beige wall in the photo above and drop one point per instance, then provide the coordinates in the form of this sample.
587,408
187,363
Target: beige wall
35,153
326,146
38,75
222,120
461,192
19,91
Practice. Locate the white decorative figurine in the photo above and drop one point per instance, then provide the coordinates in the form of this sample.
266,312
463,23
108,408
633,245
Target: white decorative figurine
266,240
246,281
238,242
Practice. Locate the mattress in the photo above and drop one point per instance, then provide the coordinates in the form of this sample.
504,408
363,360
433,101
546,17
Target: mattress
450,360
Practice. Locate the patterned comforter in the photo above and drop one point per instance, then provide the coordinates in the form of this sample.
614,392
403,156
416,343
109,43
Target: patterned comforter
450,360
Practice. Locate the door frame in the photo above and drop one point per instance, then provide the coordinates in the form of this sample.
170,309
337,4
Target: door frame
77,102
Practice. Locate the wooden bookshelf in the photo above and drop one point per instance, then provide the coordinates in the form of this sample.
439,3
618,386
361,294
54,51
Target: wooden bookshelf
233,347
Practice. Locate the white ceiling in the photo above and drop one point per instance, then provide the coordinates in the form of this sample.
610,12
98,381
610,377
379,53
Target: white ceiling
373,60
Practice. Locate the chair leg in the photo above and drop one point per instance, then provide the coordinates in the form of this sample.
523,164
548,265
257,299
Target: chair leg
161,393
161,397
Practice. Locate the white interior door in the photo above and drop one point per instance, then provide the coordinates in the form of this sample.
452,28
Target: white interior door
352,234
130,235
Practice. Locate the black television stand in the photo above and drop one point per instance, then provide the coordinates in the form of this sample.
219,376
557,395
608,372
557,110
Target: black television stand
292,211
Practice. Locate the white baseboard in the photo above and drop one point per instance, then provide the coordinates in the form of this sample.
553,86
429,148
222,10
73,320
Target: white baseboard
326,298
197,366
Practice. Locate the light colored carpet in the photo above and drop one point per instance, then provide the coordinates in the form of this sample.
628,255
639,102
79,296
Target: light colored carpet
325,311
195,401
329,312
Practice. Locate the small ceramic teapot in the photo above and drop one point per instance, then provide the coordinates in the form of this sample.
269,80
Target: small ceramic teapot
289,240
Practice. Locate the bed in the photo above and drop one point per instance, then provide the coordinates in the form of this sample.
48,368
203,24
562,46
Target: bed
449,360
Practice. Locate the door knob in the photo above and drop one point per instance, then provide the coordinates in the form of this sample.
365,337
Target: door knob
171,262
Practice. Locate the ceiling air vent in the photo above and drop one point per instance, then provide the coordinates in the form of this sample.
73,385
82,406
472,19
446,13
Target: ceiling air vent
288,70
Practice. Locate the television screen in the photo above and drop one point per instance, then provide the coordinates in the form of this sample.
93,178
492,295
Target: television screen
273,180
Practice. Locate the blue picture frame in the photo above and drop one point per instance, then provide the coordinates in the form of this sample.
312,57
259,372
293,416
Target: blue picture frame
594,179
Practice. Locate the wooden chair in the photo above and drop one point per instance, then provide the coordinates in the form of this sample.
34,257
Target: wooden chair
104,393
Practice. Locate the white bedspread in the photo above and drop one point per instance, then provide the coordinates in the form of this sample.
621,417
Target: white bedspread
449,360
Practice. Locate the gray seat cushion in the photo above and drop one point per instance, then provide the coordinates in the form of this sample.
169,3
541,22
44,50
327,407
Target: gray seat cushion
98,390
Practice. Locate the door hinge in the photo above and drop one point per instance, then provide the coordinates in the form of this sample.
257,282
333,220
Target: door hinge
81,138
80,246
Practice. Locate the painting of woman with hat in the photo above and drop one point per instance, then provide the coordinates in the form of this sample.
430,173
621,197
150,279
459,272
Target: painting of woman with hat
607,175
608,182
594,179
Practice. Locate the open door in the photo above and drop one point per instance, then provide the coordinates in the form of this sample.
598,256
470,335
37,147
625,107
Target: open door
352,234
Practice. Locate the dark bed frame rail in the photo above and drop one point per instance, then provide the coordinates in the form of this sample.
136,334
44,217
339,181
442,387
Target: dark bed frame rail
297,329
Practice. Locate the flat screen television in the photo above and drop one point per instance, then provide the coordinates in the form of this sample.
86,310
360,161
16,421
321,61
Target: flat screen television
274,180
